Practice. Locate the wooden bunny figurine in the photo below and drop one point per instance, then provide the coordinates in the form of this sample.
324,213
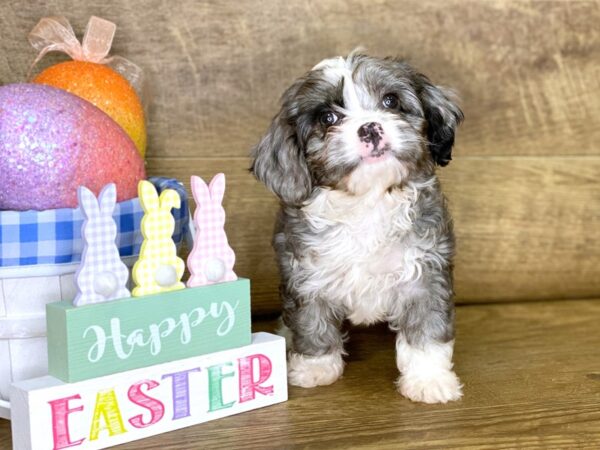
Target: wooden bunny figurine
158,268
211,259
101,276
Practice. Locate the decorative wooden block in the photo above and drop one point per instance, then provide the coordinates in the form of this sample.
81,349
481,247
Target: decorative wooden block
133,405
101,276
105,338
158,269
211,259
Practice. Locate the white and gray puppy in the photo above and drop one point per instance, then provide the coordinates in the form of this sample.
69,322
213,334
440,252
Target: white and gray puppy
364,232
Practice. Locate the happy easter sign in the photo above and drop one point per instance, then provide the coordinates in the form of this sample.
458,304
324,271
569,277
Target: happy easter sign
111,410
100,339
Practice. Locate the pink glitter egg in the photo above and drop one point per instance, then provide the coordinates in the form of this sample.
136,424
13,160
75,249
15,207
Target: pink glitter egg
52,142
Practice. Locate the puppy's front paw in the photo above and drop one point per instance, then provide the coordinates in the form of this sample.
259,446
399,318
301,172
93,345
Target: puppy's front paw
442,387
310,371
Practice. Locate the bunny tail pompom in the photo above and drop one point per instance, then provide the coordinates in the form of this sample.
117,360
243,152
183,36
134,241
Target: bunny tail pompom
165,275
215,270
106,284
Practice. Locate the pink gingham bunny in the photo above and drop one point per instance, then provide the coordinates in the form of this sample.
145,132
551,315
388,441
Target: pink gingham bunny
211,259
101,276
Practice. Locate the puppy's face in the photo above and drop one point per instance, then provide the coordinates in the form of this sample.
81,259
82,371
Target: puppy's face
355,124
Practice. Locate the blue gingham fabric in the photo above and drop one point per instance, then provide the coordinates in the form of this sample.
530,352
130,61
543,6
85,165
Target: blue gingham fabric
54,236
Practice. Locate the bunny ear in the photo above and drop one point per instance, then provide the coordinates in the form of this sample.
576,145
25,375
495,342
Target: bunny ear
217,188
169,198
88,202
200,191
148,196
108,199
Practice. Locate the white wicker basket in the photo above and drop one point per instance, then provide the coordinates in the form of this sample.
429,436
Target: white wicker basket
23,297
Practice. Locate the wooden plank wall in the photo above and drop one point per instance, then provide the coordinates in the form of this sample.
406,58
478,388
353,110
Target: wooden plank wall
525,183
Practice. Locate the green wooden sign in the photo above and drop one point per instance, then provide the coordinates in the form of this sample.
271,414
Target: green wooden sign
99,339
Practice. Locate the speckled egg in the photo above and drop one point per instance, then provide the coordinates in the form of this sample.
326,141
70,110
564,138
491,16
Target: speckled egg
106,89
52,142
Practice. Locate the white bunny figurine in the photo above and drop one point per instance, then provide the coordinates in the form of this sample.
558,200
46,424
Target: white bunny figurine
101,276
211,259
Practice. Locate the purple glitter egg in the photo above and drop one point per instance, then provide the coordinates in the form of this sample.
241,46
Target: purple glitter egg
52,142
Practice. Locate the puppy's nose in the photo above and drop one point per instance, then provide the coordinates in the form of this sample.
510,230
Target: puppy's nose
370,133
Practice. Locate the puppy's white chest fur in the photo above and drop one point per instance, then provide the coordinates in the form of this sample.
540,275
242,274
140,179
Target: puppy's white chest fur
360,253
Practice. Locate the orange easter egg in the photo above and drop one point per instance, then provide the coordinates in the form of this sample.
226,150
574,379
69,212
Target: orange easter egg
104,88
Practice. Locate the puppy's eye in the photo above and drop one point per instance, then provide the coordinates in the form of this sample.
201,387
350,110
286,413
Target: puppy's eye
328,118
390,101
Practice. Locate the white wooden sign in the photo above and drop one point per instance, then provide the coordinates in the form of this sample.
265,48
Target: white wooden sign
48,414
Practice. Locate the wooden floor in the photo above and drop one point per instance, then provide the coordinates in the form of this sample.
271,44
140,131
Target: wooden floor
532,380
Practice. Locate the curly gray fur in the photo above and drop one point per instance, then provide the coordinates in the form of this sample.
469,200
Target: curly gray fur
357,241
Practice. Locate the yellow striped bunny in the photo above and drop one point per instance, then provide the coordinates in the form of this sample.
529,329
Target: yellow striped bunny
158,268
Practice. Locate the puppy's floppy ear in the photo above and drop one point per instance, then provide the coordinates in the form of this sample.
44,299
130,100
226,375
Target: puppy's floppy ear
442,115
280,164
